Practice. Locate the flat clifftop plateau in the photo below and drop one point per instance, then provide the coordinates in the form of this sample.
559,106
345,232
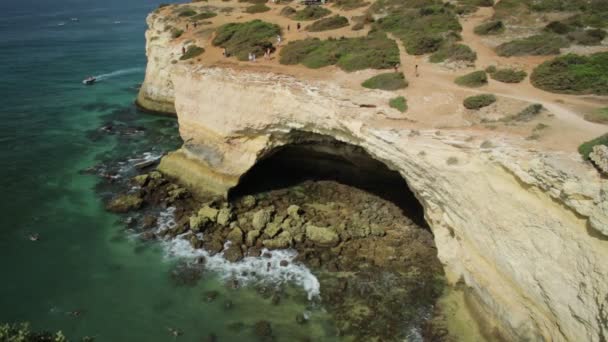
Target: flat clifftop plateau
516,213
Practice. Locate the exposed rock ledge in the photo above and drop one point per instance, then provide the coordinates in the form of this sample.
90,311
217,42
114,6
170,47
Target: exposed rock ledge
526,230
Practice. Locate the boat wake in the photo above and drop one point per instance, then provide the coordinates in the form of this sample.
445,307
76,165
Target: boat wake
250,270
116,73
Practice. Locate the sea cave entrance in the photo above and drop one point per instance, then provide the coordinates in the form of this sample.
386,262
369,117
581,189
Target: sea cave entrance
311,156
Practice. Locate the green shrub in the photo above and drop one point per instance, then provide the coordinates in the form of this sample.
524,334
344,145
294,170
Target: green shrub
240,39
538,45
375,51
479,101
598,116
453,52
473,80
587,147
288,11
527,114
491,69
587,37
191,52
176,33
387,81
203,15
350,4
399,103
21,333
330,23
573,74
490,28
257,8
311,13
254,1
509,75
558,27
188,12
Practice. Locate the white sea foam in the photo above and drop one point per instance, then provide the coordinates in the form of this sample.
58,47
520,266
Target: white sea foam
118,73
250,269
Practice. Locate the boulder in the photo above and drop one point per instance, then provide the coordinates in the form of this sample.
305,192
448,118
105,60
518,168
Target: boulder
141,180
272,229
195,242
322,236
376,230
248,202
125,203
209,213
213,246
235,236
283,240
224,216
149,221
233,253
204,216
251,237
294,211
599,157
261,218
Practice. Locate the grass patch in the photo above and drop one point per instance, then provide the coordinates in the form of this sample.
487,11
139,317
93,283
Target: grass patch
240,39
204,15
350,4
490,28
573,74
473,80
587,147
191,52
399,103
311,13
453,52
422,30
187,12
598,116
509,75
326,24
387,81
538,45
479,101
375,51
257,8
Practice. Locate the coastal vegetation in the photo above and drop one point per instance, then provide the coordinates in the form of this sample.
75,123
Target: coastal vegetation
374,51
288,11
329,23
350,4
386,81
573,74
598,116
508,75
479,101
473,80
311,13
186,12
257,8
176,33
453,52
399,103
490,28
21,332
586,13
537,45
204,15
587,147
192,51
240,39
526,114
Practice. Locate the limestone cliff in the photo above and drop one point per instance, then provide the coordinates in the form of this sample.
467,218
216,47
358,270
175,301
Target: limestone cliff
526,230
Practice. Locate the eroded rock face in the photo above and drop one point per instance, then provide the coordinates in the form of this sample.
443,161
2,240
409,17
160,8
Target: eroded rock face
599,156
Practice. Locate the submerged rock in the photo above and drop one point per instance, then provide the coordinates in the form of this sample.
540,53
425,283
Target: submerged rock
233,253
125,203
322,236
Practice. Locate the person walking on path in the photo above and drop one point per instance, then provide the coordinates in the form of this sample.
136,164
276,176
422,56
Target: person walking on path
278,40
417,70
396,67
298,26
183,50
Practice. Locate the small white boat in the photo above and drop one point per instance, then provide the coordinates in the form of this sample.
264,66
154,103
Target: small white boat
117,22
74,19
61,24
89,80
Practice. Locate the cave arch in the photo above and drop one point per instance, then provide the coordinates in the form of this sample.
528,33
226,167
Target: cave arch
311,156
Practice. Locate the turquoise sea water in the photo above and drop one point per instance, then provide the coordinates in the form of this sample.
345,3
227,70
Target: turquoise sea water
85,260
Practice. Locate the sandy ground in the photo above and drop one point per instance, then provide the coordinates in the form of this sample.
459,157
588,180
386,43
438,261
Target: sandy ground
434,100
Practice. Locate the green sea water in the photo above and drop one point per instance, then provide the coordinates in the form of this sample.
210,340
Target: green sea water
85,260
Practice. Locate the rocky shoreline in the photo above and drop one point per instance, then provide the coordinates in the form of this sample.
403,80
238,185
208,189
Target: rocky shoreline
379,272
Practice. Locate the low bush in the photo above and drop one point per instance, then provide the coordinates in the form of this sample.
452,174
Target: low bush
399,103
527,114
311,13
509,75
188,12
257,8
176,33
288,11
587,147
350,4
490,28
587,37
254,1
479,101
538,45
573,74
453,52
204,15
191,52
375,51
387,81
240,39
473,80
558,27
491,69
598,116
326,24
